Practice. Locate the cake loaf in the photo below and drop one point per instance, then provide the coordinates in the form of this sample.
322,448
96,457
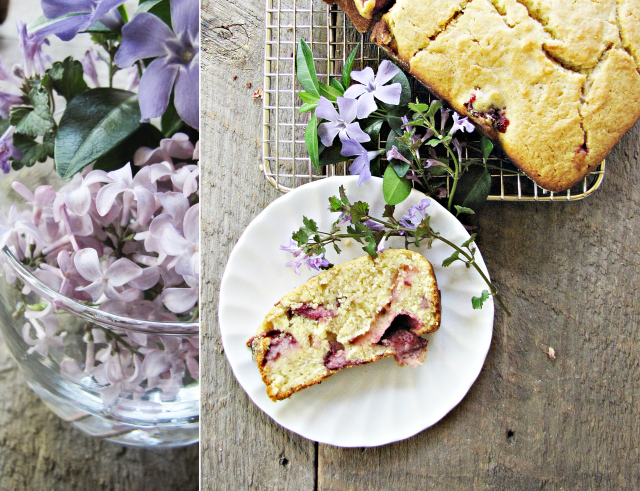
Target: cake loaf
555,82
354,313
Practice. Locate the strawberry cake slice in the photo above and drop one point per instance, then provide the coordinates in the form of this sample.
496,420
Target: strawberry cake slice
354,313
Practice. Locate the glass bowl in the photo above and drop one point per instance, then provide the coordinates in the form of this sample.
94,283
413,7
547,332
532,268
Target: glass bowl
130,381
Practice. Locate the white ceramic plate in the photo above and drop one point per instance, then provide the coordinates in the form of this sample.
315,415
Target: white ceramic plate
373,404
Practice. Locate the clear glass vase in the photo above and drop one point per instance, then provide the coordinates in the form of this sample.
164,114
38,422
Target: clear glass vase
130,381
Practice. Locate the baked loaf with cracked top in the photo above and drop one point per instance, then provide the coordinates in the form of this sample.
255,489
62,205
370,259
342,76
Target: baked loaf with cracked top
363,13
554,82
354,313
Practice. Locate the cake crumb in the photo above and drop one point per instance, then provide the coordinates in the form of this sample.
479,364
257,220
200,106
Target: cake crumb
551,353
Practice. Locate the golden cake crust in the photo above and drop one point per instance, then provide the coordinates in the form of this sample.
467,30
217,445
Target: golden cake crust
554,82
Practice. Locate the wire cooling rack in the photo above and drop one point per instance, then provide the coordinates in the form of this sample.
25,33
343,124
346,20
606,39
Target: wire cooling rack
331,37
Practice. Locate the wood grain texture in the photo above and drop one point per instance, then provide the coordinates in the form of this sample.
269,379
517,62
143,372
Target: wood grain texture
38,451
241,448
568,272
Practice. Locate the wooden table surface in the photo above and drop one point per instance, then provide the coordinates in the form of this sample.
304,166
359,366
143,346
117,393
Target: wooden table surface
569,272
37,450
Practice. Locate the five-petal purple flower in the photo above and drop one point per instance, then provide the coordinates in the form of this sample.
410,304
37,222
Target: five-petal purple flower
79,15
371,87
362,163
177,60
339,122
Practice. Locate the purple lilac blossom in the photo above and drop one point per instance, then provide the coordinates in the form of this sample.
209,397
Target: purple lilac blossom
78,16
362,164
34,60
415,214
66,229
177,59
339,122
371,87
7,150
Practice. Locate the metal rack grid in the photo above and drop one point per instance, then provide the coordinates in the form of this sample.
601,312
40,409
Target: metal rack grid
331,37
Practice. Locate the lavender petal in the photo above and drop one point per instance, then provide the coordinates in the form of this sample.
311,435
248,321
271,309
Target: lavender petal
187,93
155,88
145,36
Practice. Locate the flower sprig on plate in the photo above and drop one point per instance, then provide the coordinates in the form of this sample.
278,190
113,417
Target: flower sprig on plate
308,244
425,143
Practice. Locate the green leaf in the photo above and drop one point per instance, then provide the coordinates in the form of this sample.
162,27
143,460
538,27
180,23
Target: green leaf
451,259
394,189
373,130
419,108
433,108
305,69
311,225
335,205
145,136
473,188
33,121
388,211
94,123
159,8
329,92
469,241
343,195
335,83
395,122
308,107
331,155
301,236
348,66
67,78
461,210
370,248
4,125
32,150
478,302
306,97
487,147
358,211
434,142
311,141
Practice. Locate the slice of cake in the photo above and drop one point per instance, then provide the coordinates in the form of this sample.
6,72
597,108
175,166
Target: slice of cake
354,313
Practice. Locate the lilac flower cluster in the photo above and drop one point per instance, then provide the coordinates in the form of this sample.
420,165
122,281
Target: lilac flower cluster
105,239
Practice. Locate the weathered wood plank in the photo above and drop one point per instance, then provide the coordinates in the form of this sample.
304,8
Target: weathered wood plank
569,273
241,448
37,450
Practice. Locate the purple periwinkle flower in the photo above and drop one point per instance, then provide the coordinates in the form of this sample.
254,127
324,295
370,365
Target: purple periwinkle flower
34,60
361,166
7,150
86,13
462,124
177,59
371,87
415,214
395,154
339,122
